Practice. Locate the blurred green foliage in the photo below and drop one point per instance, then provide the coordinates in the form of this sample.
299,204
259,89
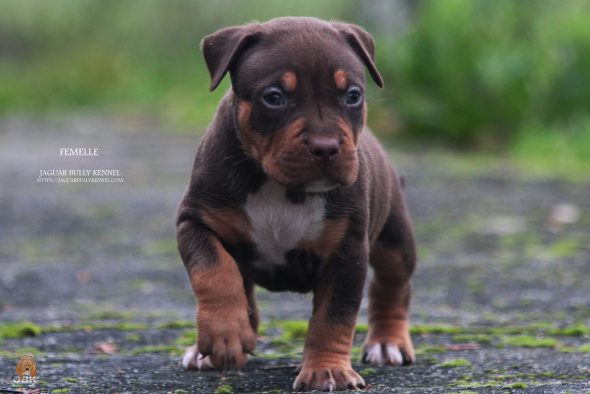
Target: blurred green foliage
125,55
469,72
482,72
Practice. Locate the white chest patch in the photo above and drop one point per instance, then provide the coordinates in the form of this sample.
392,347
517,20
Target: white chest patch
278,225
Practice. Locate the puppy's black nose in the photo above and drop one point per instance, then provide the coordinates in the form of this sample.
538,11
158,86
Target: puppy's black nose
323,147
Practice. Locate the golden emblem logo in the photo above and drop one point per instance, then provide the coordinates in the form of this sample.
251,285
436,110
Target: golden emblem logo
26,369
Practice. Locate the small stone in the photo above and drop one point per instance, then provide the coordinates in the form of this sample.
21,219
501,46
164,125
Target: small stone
563,214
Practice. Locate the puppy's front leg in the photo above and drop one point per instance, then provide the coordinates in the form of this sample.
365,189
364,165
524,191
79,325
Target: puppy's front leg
326,358
225,334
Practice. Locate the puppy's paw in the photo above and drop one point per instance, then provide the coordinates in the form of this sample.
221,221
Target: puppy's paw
192,359
328,379
226,343
388,353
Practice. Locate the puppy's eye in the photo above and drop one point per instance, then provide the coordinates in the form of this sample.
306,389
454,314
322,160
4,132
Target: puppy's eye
273,98
354,97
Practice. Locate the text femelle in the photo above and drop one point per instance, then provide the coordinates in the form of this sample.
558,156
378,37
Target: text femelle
88,152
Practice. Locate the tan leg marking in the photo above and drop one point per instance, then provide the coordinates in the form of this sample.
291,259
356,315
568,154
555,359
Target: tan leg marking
326,358
223,325
388,341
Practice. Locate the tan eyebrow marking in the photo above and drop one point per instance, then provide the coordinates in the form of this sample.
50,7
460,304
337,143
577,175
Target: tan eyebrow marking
289,81
341,79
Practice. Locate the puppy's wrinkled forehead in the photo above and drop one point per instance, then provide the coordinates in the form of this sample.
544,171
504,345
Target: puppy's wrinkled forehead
312,59
308,46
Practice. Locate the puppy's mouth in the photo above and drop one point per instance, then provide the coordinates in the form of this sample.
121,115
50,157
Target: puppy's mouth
311,177
317,186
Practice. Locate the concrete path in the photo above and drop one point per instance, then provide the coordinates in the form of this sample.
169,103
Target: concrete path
92,286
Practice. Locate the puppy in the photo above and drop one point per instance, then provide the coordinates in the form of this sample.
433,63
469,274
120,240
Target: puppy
290,191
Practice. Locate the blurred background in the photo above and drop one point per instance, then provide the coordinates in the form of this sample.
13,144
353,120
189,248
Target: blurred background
486,110
510,78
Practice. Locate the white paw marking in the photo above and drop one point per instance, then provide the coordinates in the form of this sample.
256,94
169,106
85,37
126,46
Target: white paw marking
192,359
278,225
374,354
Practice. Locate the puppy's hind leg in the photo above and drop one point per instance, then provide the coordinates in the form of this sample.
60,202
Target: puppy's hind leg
393,259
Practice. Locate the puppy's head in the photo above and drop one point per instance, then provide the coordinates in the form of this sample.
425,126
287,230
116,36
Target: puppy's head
299,96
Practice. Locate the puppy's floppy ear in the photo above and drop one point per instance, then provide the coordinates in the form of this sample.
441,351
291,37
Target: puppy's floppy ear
222,48
362,43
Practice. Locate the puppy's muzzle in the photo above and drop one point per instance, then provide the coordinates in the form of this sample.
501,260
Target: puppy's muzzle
323,148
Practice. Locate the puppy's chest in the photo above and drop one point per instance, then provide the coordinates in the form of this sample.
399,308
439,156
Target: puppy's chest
280,225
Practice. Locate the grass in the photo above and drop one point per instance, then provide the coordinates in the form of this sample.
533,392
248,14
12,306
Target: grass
187,338
522,95
575,330
558,150
483,339
18,352
19,330
292,329
515,385
365,372
161,247
177,324
170,349
422,350
224,389
421,329
110,315
565,248
95,326
458,362
139,62
529,342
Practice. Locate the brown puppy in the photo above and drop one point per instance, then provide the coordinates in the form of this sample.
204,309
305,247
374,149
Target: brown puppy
290,191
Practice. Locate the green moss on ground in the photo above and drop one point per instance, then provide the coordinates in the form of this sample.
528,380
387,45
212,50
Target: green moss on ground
421,329
529,341
176,324
458,362
422,350
483,339
19,330
366,372
170,349
110,315
224,389
515,385
187,338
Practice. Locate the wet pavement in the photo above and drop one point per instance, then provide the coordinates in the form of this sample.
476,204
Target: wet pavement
91,273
